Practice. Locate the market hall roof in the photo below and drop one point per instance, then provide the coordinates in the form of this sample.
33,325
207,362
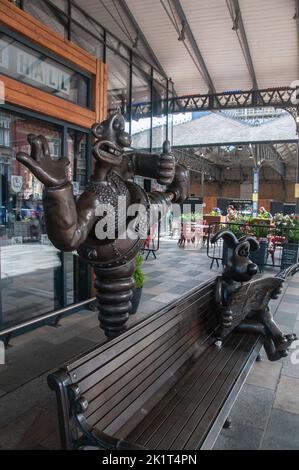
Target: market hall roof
220,128
224,44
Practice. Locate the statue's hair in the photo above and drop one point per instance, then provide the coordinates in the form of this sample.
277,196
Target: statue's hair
254,244
229,237
232,241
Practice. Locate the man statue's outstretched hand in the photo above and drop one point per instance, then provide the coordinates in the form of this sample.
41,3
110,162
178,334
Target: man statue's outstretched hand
51,173
166,165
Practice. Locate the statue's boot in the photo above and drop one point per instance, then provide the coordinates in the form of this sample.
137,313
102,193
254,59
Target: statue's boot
252,326
285,342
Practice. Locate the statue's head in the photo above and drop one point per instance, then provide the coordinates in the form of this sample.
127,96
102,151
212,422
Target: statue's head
239,267
111,140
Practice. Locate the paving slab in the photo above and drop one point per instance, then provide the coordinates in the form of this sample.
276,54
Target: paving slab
12,434
265,374
42,426
239,437
253,406
282,432
166,297
287,395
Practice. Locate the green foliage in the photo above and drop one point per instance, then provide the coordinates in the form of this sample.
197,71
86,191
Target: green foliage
263,214
236,229
191,217
215,212
247,219
259,231
293,236
138,275
287,226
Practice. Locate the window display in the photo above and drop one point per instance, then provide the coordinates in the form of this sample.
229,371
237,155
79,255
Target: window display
32,269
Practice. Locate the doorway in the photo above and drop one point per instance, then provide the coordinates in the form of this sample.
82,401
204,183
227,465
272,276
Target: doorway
36,278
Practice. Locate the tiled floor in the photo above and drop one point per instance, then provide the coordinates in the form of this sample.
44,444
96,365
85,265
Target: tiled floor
267,404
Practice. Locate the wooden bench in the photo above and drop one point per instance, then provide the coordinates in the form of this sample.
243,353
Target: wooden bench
163,384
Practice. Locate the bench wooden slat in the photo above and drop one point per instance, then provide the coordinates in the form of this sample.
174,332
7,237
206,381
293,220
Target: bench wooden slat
122,410
170,384
118,345
192,421
205,364
217,396
105,370
105,413
102,407
197,384
162,384
110,386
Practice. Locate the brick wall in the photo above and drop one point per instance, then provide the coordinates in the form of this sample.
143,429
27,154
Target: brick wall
268,190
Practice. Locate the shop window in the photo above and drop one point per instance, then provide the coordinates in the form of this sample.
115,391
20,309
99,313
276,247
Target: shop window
34,274
141,94
4,131
34,68
30,265
115,45
89,41
118,83
61,4
159,110
48,15
76,271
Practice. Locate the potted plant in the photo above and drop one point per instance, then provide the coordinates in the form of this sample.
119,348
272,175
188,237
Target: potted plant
139,278
260,256
214,217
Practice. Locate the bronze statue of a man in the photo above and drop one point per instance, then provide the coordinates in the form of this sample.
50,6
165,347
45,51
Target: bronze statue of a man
72,225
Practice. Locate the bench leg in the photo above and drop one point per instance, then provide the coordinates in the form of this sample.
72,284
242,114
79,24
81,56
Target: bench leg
227,424
258,358
114,293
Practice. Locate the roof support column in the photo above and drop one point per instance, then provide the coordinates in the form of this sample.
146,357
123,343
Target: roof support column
256,181
297,180
296,118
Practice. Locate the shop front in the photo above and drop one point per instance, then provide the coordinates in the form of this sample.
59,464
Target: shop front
53,88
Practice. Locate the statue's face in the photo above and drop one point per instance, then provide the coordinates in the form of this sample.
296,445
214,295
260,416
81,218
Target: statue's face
112,139
241,268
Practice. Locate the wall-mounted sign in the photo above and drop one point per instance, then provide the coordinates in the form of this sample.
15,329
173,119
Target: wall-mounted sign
31,67
76,188
16,183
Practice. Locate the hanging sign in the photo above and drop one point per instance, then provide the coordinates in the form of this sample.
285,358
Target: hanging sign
16,183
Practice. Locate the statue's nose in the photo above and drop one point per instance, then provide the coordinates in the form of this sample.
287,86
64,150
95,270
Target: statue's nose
124,139
252,269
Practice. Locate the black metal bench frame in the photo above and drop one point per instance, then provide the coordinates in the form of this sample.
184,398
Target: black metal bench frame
163,380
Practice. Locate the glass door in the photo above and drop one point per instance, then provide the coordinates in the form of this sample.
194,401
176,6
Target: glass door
36,278
30,264
77,272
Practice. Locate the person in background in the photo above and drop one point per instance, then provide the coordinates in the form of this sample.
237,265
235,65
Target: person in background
29,203
264,214
231,213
